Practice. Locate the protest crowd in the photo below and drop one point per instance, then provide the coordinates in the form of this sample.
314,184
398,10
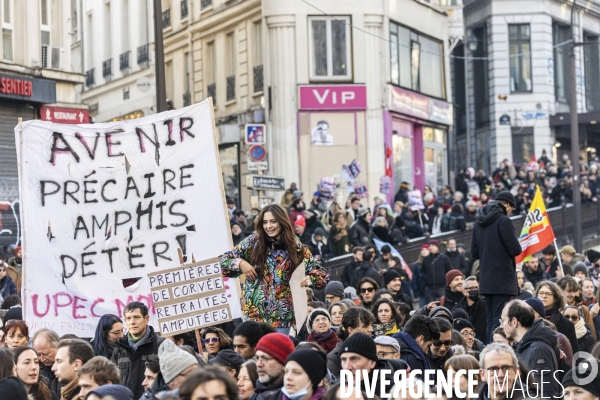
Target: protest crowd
454,309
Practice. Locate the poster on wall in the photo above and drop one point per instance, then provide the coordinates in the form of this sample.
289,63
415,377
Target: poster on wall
415,200
104,205
320,136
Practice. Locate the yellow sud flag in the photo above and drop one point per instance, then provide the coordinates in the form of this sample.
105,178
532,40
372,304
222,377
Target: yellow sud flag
537,232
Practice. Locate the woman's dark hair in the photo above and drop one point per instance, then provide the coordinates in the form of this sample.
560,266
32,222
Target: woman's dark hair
224,340
288,238
187,337
39,390
151,362
422,326
354,318
317,304
403,311
380,292
7,363
102,329
204,375
252,371
559,300
457,208
10,301
395,316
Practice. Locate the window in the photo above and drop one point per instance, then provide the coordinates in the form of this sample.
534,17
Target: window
480,75
592,72
416,61
460,101
124,39
561,33
74,14
45,21
522,144
257,56
7,30
211,89
329,48
187,96
230,48
519,37
107,32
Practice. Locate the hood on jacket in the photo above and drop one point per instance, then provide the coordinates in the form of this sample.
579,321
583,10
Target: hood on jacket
538,333
490,213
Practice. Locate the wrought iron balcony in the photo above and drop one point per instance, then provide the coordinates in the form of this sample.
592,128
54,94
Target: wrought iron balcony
211,91
89,78
166,17
230,87
124,61
184,9
258,79
107,68
187,99
205,4
143,53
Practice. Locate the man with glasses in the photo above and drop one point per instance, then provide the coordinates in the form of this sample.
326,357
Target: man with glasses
474,305
387,347
366,291
440,350
536,344
419,334
498,370
175,365
271,352
495,244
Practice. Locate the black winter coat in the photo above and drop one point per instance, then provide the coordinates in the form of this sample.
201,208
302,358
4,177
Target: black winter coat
458,261
438,362
496,245
131,362
263,392
586,342
334,363
365,269
412,229
348,272
536,351
360,233
536,276
565,327
53,384
412,358
434,269
477,316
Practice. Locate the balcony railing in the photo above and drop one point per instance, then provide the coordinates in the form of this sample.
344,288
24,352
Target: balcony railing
143,53
230,87
258,79
89,78
124,61
205,4
211,91
107,68
166,17
187,99
184,9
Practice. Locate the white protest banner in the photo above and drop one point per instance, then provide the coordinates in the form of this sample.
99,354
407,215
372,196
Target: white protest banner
103,205
189,297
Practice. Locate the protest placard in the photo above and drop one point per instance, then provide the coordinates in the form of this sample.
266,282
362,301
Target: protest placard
352,170
326,188
360,189
189,297
103,205
415,200
385,184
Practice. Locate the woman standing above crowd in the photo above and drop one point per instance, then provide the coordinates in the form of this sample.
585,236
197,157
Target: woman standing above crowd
267,259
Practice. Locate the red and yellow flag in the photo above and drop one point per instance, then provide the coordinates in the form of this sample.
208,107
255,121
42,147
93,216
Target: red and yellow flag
537,232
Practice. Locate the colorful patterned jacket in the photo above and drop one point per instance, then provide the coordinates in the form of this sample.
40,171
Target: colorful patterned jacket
269,298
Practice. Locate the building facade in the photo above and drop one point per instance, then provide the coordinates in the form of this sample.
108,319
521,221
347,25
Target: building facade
40,71
518,80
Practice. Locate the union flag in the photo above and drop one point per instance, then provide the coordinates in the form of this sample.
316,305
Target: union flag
537,232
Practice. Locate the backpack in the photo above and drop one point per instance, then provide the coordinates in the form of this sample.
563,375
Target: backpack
448,223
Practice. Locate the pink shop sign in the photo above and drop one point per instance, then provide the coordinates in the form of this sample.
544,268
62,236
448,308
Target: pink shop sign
420,106
333,97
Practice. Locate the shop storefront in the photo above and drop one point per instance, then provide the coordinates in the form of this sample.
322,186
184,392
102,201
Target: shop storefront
331,130
416,135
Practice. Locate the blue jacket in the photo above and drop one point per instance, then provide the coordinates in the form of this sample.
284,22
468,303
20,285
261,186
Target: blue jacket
7,287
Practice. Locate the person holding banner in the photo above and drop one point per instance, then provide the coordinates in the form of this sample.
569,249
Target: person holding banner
268,258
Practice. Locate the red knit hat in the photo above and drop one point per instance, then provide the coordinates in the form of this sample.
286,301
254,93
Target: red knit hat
277,345
300,221
453,273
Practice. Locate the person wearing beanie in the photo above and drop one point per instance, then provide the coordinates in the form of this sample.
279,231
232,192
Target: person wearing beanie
419,334
474,305
580,271
175,363
594,258
360,231
536,344
467,331
453,293
495,244
433,272
537,306
320,331
271,352
573,385
300,229
334,292
230,361
305,370
318,245
441,312
393,282
359,353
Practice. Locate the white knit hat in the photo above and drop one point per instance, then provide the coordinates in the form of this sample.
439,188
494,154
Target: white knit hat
173,360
